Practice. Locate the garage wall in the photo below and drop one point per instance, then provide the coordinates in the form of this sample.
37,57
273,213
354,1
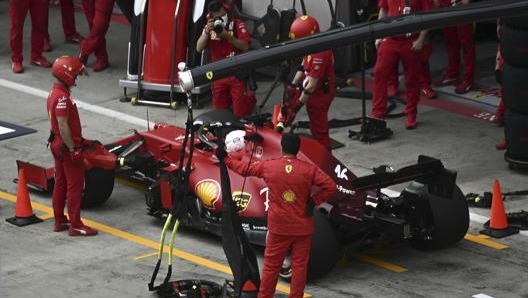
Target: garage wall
317,8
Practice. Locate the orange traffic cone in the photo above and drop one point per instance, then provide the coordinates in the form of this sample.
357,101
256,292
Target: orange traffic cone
23,213
498,226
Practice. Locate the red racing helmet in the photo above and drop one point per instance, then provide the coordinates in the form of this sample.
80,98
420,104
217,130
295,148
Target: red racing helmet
67,68
303,26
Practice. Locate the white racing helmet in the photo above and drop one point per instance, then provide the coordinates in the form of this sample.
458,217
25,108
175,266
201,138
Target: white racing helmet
234,141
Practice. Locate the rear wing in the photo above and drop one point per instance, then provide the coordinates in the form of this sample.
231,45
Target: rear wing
429,171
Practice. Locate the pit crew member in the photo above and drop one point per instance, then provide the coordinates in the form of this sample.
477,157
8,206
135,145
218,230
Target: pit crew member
291,202
228,38
316,78
65,144
406,47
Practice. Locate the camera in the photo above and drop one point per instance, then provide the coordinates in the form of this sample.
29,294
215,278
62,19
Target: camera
218,25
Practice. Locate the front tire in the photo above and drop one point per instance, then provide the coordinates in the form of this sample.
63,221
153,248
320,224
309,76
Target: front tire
98,186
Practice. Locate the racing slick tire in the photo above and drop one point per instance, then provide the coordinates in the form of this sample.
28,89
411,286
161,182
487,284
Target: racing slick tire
517,22
325,250
514,46
98,186
516,133
515,89
449,218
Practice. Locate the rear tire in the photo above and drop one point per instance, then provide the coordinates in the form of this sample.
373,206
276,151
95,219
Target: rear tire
449,217
516,22
325,250
514,46
516,133
98,186
515,89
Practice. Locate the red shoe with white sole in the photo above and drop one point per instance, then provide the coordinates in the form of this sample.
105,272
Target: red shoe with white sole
82,231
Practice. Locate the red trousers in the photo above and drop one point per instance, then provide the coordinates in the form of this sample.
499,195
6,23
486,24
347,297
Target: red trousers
390,52
18,10
98,14
317,107
425,73
232,93
456,38
69,184
277,247
68,18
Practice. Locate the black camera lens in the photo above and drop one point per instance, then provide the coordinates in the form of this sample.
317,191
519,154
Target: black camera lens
218,25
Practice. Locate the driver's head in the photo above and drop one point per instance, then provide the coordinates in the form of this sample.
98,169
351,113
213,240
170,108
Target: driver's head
290,143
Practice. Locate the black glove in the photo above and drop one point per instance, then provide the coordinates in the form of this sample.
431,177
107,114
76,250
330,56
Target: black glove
310,205
220,153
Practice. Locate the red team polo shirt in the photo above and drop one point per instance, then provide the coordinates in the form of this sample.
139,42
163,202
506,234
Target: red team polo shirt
320,66
60,104
222,48
290,182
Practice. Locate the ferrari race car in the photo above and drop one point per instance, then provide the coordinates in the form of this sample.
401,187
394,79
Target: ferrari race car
431,212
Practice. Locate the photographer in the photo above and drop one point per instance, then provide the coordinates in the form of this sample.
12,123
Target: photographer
226,37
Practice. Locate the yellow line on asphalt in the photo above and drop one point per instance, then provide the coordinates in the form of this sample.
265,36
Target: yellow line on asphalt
46,216
143,241
145,256
378,262
484,240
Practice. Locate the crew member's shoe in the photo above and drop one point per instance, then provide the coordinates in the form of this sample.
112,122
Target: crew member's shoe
17,67
100,65
41,61
74,38
410,122
428,93
377,117
82,57
501,145
444,81
61,226
463,87
498,119
47,46
82,231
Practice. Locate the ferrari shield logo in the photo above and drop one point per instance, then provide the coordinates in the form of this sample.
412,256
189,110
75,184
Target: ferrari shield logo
209,75
288,169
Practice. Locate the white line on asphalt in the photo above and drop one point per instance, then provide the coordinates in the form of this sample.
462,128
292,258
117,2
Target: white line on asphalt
82,105
481,296
141,122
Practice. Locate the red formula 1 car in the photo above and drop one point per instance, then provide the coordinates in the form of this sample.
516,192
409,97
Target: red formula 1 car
431,212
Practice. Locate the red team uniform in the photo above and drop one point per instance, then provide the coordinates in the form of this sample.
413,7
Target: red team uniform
320,66
457,38
66,147
60,104
18,10
290,182
98,14
390,51
230,92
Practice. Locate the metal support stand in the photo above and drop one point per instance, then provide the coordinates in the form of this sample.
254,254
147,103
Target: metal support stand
372,129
